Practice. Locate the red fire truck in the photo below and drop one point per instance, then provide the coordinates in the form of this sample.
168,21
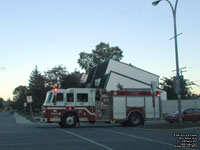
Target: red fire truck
74,105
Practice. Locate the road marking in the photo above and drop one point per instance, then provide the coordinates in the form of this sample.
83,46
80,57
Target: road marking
138,137
87,139
16,144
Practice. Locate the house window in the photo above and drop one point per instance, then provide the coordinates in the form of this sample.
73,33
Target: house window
82,97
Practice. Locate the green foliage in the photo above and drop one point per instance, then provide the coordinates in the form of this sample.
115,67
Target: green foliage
168,86
37,88
55,76
39,84
71,80
1,102
102,52
19,98
86,61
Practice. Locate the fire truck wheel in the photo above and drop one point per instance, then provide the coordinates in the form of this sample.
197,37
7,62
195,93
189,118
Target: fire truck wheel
69,120
135,119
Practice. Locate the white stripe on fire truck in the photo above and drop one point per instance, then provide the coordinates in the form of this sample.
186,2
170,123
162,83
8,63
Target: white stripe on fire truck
50,108
84,108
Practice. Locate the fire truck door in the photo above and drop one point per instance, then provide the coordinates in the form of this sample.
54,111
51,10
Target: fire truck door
58,99
70,99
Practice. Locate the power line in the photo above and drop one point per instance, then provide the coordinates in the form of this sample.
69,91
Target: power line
181,70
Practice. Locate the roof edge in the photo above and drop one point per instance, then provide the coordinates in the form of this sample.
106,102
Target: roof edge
136,68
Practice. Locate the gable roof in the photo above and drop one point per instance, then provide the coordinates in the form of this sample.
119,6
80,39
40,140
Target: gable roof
101,71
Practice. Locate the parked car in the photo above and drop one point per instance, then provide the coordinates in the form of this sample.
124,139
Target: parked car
189,114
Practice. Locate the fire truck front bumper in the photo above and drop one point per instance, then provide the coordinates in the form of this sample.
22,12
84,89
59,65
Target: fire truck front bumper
43,120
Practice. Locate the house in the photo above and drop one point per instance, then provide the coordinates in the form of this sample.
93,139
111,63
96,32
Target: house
111,75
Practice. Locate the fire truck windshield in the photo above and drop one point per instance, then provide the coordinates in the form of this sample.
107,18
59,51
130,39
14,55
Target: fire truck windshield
48,97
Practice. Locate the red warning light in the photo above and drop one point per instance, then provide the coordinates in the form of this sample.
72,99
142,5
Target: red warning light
55,89
69,108
158,94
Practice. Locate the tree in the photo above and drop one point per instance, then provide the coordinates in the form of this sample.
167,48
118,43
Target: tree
168,86
55,76
120,86
102,52
1,102
71,80
86,61
19,98
37,88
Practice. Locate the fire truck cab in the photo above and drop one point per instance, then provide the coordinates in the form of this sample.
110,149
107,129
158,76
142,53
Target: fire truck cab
74,105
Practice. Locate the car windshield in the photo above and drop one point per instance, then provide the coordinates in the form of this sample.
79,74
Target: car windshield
48,97
182,110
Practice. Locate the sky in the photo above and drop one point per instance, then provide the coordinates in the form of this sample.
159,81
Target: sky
47,33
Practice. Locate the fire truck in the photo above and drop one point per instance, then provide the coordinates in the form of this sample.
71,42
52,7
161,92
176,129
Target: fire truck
69,107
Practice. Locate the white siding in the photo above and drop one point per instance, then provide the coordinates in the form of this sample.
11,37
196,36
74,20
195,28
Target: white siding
131,72
171,106
163,95
126,82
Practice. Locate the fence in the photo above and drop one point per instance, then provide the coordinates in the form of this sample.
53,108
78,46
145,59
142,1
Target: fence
170,106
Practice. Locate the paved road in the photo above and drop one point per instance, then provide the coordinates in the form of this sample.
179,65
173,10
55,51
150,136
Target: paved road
23,135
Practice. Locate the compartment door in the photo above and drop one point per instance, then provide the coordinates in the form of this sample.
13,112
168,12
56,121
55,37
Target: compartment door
119,108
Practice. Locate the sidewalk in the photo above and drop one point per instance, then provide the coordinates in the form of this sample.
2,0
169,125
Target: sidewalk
157,121
21,120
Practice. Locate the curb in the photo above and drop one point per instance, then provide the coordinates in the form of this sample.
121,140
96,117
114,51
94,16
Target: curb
21,120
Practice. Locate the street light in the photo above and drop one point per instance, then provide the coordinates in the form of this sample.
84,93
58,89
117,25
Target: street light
155,3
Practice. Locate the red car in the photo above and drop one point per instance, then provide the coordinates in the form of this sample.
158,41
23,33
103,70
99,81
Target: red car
189,114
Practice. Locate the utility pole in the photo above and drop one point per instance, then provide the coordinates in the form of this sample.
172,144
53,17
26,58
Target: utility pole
178,78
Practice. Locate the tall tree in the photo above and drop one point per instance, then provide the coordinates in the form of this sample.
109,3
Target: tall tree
19,98
71,80
102,52
167,85
37,88
55,76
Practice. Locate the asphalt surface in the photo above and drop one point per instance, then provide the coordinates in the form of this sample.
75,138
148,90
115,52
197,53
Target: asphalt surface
17,133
